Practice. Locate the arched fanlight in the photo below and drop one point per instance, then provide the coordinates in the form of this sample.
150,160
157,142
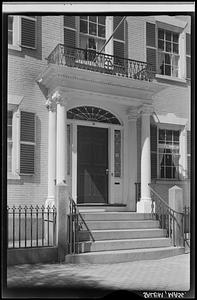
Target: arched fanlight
92,113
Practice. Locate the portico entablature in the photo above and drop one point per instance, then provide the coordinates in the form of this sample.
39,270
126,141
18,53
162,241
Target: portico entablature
99,83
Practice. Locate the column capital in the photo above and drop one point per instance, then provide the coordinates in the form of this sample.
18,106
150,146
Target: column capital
50,105
146,109
132,114
59,98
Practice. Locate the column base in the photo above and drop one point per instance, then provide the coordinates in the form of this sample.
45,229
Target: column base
144,206
50,201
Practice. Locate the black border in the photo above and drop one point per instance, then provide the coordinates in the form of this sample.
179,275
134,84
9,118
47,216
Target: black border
81,292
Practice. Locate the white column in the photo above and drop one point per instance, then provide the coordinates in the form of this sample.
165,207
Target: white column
132,158
109,31
51,152
144,205
183,154
61,139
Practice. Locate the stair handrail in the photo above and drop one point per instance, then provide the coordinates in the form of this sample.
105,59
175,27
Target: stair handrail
165,223
76,210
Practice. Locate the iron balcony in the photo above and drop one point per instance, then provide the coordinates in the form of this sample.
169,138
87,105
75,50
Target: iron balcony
89,59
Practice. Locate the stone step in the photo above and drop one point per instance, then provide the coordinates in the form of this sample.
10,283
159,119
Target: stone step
116,216
107,245
113,234
126,224
118,256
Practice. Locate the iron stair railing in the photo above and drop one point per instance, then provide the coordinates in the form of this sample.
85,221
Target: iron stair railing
168,218
76,225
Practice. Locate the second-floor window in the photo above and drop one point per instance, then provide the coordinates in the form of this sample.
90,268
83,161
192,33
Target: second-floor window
93,25
165,50
22,32
92,33
168,53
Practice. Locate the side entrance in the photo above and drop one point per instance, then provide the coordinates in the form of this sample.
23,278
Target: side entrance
92,165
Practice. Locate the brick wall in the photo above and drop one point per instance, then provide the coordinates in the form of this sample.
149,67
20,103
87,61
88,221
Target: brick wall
23,69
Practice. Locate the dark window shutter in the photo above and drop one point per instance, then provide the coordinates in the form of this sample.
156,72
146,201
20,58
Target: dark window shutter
69,37
188,67
188,142
151,57
27,127
27,159
119,34
153,134
150,35
188,44
119,51
28,33
27,143
189,153
69,21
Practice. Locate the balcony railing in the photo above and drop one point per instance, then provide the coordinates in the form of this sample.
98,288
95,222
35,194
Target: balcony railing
100,62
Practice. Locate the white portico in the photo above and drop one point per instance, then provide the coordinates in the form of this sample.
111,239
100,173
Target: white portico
92,136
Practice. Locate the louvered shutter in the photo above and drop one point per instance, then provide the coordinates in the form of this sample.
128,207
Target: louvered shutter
188,44
69,21
151,57
153,134
188,54
69,37
118,51
188,67
189,153
119,34
28,32
27,142
150,35
118,41
70,31
151,42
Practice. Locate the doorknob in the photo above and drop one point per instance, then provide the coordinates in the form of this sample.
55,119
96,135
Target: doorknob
107,171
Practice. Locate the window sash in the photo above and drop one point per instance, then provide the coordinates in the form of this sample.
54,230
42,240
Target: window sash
90,24
168,154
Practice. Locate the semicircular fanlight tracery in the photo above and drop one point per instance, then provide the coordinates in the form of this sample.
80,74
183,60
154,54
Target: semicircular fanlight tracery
92,113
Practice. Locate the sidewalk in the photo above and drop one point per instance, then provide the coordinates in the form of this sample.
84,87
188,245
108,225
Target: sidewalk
168,274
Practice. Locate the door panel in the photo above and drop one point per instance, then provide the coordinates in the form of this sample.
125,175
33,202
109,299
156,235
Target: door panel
92,162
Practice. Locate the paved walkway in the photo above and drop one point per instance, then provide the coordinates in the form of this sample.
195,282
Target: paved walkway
168,274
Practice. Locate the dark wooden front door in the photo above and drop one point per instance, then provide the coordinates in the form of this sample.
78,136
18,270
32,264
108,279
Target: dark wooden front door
92,165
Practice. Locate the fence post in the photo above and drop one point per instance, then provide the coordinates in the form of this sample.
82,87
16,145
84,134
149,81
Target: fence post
175,195
62,211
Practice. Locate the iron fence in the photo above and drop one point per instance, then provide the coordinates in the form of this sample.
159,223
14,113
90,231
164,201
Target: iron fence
31,226
100,62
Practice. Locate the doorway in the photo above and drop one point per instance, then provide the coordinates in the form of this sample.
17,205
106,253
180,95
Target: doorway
92,165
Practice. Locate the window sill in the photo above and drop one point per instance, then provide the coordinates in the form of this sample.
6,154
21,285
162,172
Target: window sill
168,180
172,79
14,47
13,177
